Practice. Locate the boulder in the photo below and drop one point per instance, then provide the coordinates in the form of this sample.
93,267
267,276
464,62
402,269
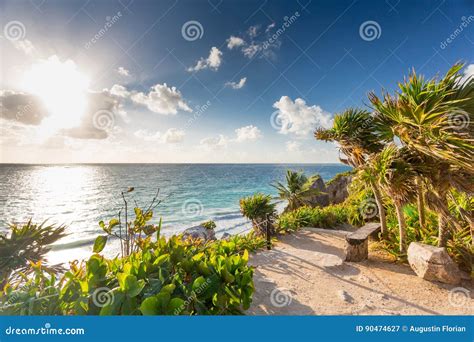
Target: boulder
226,236
199,232
321,200
336,188
433,263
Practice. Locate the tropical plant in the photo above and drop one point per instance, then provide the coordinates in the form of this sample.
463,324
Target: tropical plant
396,177
433,120
354,132
327,217
27,243
298,190
162,277
260,210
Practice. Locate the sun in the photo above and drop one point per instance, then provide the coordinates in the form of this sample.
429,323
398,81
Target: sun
63,90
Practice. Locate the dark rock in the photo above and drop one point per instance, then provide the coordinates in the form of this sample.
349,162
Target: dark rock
336,188
321,200
199,232
225,236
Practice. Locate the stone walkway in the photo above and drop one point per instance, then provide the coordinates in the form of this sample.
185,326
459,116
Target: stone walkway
305,274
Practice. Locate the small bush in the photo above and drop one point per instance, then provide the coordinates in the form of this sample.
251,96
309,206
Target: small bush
328,217
209,224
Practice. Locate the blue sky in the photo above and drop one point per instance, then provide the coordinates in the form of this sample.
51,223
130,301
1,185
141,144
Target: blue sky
262,99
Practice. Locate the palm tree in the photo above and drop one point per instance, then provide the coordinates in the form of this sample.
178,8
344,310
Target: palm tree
297,191
396,177
424,115
260,210
26,244
354,131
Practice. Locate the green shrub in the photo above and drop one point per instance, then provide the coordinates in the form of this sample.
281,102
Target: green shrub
260,210
327,217
459,246
209,224
162,277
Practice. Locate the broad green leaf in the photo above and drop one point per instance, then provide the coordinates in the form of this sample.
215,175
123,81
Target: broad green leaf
99,243
149,306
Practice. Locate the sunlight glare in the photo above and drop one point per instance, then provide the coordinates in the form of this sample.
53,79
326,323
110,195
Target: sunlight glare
63,90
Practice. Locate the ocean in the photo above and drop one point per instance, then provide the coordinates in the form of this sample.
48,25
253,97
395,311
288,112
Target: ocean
80,195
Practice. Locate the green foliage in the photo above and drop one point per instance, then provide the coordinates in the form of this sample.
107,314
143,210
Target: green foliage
257,206
159,277
327,217
297,190
25,244
209,224
459,247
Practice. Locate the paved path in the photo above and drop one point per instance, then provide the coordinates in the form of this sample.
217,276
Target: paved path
305,274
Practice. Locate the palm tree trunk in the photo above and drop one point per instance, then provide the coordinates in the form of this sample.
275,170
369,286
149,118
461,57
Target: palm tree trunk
381,209
402,226
420,200
443,219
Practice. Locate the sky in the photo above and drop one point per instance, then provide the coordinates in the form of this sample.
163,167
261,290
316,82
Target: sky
176,81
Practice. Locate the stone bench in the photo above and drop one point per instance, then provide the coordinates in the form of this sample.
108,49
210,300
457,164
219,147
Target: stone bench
357,243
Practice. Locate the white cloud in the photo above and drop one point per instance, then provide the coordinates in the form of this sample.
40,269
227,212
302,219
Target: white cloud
23,108
269,27
119,90
233,42
248,133
173,136
213,143
237,85
469,71
147,136
212,62
293,146
298,118
162,100
251,50
253,31
25,46
123,72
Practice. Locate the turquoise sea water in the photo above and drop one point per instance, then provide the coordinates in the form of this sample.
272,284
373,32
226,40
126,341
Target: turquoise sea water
82,195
